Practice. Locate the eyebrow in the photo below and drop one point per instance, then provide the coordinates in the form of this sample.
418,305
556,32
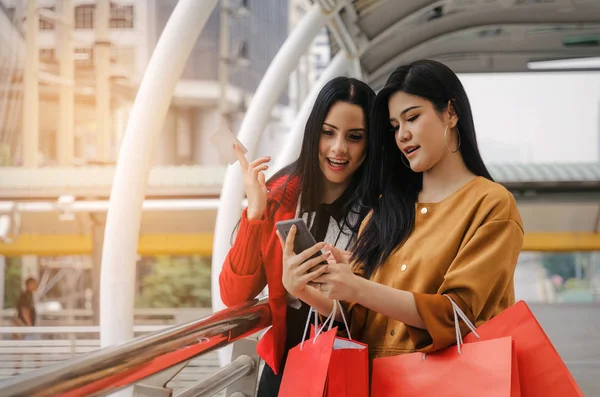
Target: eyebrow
406,111
350,130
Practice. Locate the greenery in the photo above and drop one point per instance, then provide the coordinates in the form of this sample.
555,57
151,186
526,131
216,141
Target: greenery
561,264
175,282
12,281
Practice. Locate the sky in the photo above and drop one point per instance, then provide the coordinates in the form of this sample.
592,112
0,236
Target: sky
536,117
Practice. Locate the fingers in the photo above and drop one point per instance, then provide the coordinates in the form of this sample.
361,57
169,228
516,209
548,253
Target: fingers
259,161
262,182
306,266
240,156
339,255
281,240
307,253
312,276
258,169
289,241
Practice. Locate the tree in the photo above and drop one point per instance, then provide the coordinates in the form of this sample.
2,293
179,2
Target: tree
12,281
176,282
560,264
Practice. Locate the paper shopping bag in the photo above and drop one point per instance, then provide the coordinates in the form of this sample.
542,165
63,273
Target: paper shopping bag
481,369
541,370
305,370
311,370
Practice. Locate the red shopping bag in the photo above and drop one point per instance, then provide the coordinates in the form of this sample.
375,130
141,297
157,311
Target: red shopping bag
348,372
326,365
541,370
484,368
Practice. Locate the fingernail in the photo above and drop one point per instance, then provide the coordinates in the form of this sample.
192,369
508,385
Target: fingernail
293,228
234,145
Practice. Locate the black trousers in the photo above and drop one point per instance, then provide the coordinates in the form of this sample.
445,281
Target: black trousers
268,385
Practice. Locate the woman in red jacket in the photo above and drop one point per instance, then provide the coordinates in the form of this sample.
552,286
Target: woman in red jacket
321,187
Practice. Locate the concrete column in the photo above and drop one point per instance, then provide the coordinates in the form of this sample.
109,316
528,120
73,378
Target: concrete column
65,138
184,135
31,79
98,242
102,69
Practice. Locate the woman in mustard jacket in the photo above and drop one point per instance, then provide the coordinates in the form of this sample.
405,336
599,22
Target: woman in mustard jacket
439,224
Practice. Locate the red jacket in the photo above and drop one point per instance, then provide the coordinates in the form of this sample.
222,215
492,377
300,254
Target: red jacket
255,261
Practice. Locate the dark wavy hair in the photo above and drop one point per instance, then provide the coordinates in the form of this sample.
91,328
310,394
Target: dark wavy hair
306,167
392,189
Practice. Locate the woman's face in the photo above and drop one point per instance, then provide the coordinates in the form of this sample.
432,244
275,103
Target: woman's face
343,142
419,130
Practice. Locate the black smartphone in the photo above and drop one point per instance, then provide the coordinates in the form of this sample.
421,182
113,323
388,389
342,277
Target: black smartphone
303,240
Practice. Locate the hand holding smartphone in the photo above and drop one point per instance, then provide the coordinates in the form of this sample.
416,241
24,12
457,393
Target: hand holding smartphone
303,240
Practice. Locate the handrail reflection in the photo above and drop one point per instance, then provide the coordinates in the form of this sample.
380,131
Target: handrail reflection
110,369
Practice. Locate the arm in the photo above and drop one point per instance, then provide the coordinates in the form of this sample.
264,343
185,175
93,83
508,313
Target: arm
26,313
243,276
476,279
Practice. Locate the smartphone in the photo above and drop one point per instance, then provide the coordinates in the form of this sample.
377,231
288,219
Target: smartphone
303,240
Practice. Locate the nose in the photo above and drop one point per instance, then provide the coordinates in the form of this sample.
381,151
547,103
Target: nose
340,146
402,134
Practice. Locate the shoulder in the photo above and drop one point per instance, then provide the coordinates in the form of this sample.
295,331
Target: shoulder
284,191
494,200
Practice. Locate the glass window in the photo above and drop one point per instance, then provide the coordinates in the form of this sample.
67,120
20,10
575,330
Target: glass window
84,17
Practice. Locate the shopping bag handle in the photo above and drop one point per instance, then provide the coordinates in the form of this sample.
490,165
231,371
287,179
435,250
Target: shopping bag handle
328,322
459,314
331,319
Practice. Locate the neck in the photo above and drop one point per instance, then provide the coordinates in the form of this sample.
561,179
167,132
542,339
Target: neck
332,191
444,178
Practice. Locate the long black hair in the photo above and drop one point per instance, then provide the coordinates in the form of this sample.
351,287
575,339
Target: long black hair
393,189
339,89
306,167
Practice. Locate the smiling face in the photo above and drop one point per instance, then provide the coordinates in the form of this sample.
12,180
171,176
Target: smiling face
419,130
342,145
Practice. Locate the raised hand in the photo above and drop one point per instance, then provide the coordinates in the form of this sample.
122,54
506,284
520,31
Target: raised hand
254,183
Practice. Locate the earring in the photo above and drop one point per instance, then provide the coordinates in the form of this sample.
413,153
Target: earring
404,162
446,142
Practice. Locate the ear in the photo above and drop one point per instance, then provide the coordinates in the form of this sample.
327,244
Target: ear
452,115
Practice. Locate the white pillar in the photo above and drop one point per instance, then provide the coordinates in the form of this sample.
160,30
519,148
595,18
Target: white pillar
293,141
255,120
65,138
184,135
31,106
102,69
119,255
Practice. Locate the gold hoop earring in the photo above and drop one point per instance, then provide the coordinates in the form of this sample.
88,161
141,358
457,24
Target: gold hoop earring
446,142
404,162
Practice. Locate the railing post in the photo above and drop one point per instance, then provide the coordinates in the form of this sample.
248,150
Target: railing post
246,386
154,386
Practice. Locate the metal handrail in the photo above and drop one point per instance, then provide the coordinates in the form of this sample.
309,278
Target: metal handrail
113,368
240,367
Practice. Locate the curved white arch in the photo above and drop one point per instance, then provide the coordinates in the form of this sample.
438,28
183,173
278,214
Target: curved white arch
518,15
119,255
293,142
